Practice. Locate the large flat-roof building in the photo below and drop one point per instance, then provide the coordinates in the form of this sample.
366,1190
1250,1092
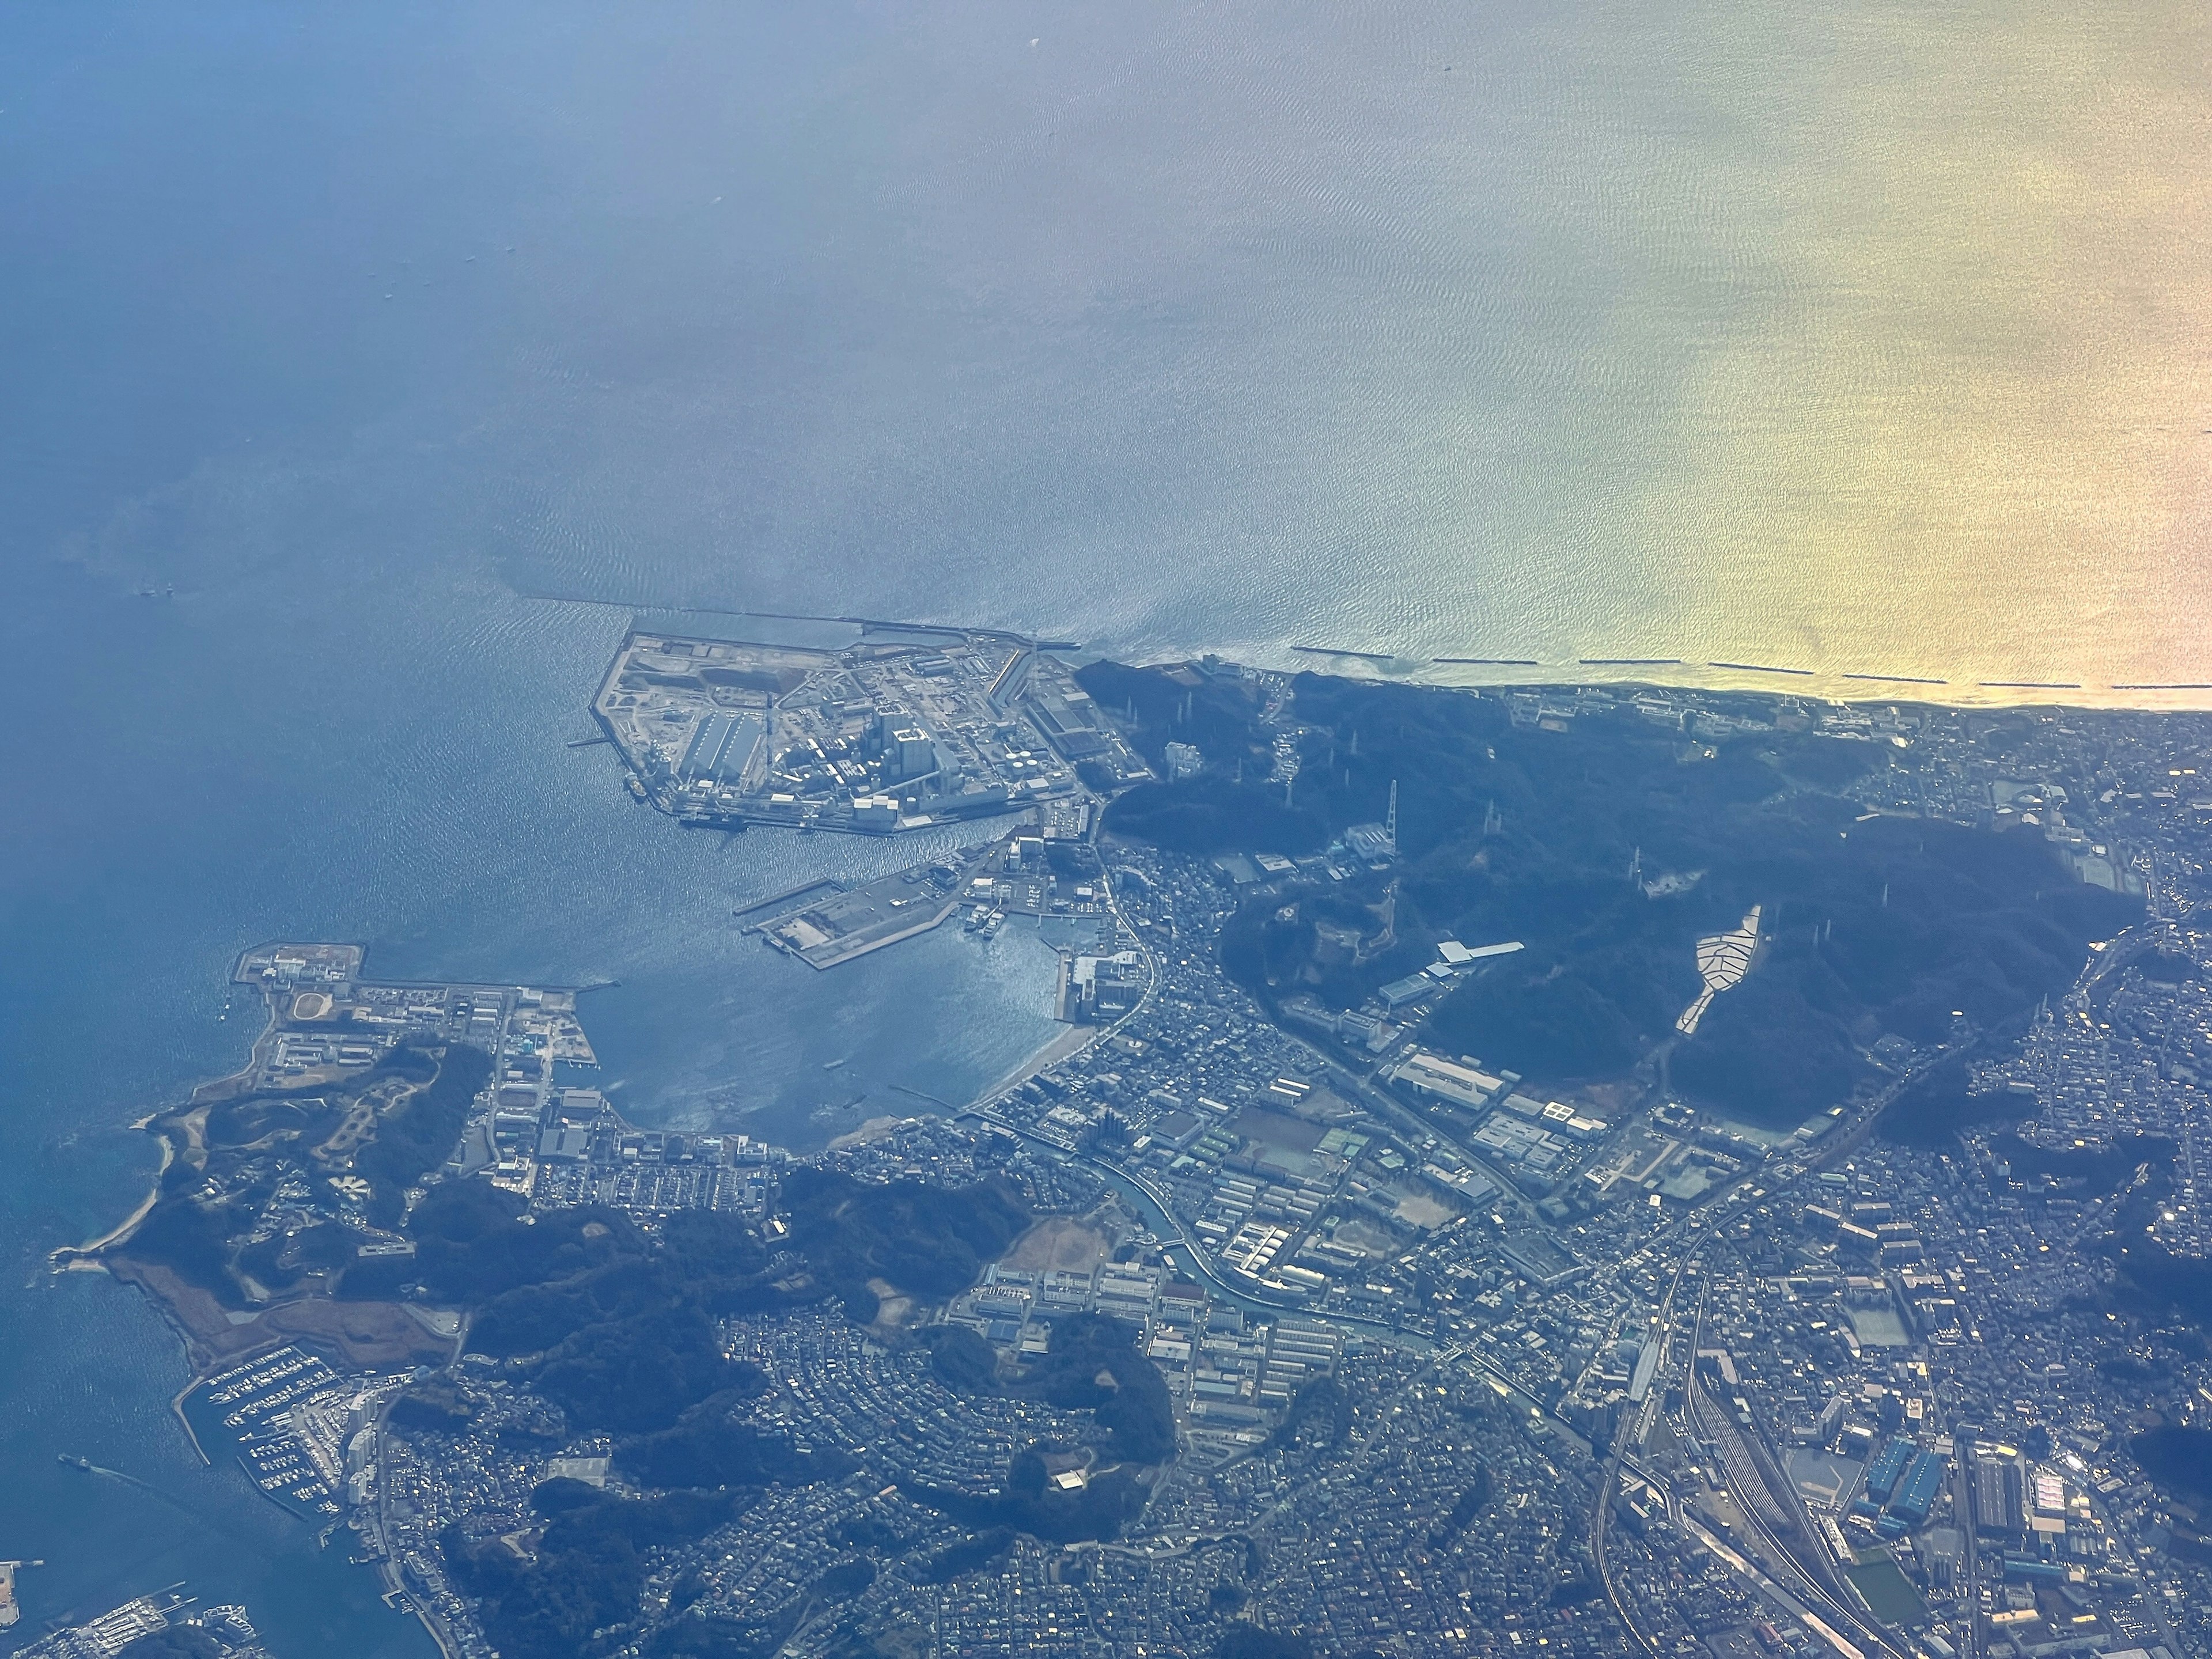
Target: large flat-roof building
721,749
1456,1081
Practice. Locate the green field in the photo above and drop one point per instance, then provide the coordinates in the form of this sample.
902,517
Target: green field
1888,1590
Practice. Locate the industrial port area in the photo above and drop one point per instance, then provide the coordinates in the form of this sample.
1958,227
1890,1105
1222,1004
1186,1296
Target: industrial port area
1029,873
906,728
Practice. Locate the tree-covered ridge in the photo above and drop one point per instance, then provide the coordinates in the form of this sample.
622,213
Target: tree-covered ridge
619,1328
921,1238
220,1180
1095,1364
1509,831
588,1569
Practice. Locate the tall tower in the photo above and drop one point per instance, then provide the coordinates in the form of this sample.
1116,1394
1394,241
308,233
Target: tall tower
1391,824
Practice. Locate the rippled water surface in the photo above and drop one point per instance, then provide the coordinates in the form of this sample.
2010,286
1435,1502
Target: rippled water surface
1859,338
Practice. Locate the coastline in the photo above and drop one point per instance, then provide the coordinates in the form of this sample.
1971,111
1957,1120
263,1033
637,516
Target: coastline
1062,1045
183,1131
85,1258
371,1334
1827,684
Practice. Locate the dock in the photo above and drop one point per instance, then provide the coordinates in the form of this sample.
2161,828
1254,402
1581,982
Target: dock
804,893
826,924
177,1407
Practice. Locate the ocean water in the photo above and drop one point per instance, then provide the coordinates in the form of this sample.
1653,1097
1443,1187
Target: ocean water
393,771
398,348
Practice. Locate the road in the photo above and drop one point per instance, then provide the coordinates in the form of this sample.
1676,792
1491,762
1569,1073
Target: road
1823,1602
1763,1185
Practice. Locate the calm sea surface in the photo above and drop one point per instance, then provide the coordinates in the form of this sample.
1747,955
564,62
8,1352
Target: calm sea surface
1859,337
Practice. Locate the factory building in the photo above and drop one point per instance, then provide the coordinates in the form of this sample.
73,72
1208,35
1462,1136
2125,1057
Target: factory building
1460,1084
1996,1496
721,749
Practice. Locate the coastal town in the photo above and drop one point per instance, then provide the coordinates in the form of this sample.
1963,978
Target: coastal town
1453,1360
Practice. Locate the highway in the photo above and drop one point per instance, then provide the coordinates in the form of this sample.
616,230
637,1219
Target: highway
1811,1591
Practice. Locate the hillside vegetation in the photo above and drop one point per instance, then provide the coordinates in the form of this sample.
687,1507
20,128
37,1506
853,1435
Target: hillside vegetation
1511,832
618,1329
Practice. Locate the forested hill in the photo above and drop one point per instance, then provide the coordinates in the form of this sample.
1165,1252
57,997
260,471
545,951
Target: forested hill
1510,831
618,1329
